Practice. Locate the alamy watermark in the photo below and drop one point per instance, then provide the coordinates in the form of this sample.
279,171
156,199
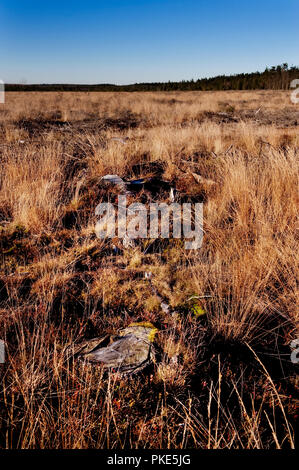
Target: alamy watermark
295,351
295,93
2,92
155,220
2,351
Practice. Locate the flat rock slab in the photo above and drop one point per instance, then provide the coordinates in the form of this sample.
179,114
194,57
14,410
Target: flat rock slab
129,352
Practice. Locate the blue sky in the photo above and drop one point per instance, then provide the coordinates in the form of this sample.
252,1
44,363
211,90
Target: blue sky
128,41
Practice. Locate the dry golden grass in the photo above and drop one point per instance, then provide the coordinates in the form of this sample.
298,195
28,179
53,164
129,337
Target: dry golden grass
221,380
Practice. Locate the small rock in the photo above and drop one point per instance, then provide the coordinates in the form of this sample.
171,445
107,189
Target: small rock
130,352
122,140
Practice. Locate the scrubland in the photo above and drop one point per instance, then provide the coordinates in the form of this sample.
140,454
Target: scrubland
223,379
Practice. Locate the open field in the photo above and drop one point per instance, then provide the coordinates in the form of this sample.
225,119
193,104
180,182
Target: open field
222,379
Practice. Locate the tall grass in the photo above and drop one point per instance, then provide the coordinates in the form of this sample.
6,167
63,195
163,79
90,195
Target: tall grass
222,380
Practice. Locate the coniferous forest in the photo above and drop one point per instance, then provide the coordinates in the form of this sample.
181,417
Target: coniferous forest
272,78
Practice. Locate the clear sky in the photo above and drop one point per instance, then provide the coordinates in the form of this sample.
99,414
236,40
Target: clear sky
128,41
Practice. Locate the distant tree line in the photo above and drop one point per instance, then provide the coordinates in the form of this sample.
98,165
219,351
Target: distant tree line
274,78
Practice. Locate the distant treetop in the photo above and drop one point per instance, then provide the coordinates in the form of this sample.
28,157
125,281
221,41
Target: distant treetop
274,78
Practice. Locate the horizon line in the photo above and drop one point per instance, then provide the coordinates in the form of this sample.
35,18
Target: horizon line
154,82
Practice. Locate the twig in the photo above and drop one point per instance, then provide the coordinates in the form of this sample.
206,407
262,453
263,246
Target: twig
228,149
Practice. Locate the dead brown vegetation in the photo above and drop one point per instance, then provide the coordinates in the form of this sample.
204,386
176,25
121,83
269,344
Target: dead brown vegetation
221,380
